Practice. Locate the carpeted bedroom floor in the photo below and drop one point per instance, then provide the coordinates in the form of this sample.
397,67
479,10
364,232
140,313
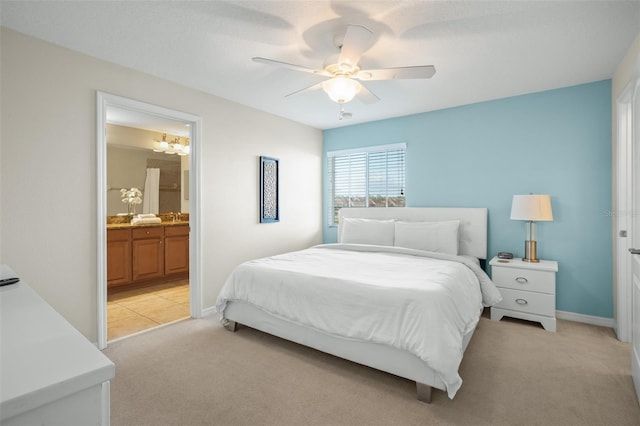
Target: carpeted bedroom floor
195,372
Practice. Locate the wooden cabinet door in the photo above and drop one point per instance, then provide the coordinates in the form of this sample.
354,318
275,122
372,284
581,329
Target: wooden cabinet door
118,257
148,253
176,250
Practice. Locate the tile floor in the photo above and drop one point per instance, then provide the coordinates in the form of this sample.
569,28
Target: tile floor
138,309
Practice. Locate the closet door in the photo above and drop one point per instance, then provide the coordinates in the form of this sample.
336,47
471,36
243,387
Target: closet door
635,251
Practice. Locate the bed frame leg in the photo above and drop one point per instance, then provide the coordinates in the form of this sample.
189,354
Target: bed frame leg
229,325
424,392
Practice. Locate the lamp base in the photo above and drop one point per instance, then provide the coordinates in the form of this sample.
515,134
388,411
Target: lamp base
530,252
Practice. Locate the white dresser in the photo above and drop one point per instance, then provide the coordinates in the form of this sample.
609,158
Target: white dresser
528,290
50,373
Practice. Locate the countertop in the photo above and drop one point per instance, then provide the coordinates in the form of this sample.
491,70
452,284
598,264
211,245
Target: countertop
145,225
43,357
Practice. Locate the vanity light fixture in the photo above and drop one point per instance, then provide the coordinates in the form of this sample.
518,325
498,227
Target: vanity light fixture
179,148
186,150
171,147
161,146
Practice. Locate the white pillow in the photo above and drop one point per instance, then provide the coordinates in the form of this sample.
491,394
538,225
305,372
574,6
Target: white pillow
367,231
441,237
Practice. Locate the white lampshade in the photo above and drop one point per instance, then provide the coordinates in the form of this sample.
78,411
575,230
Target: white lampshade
531,207
341,89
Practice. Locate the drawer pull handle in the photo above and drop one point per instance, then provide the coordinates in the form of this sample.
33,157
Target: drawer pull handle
521,302
522,280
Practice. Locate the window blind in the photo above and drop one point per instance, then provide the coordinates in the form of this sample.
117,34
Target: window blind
366,177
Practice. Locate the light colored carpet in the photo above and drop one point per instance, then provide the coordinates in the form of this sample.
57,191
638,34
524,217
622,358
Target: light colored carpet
197,373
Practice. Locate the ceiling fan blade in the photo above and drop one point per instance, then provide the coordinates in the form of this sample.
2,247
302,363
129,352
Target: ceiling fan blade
315,86
367,96
400,73
356,41
290,66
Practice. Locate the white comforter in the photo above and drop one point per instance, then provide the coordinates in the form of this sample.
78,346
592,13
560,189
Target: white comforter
416,301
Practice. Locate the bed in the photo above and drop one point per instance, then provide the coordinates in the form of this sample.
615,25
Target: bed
402,291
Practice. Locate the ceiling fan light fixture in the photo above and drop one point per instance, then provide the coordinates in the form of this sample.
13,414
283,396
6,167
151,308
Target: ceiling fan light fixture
346,67
342,71
341,89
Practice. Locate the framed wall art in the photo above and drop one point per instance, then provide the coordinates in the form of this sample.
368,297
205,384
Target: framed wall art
269,190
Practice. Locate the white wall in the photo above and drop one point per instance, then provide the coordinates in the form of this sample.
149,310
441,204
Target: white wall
48,173
626,69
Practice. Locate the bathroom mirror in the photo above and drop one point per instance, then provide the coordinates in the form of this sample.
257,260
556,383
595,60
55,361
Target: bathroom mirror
130,153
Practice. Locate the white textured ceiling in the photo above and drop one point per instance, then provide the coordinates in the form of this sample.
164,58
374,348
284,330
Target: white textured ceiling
482,50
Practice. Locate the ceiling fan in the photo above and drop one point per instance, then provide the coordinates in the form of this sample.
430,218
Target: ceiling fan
343,74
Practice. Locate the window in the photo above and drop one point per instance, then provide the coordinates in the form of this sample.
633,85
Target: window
366,177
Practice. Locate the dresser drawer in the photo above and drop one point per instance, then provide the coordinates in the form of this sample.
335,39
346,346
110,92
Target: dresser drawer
525,301
524,279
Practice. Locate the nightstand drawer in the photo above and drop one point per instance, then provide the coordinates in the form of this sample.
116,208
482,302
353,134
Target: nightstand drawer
526,301
524,279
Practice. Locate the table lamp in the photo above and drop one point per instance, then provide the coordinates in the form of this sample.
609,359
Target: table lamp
531,208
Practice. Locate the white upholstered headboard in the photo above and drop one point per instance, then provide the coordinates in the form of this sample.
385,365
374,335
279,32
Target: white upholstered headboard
472,233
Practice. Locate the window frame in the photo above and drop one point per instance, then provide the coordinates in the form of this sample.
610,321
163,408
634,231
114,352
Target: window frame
331,155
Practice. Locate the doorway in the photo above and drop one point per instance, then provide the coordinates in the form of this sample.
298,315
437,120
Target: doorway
169,291
628,223
626,217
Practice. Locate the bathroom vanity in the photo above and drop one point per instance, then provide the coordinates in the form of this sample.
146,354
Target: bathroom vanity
147,253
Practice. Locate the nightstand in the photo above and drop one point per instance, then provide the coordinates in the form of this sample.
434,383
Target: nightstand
528,290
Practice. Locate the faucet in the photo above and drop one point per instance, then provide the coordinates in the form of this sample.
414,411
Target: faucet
175,217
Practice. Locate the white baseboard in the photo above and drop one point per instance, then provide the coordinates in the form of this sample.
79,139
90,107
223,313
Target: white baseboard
587,319
209,311
635,371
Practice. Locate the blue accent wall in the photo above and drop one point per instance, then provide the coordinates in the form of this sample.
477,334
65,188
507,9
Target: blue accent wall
556,142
